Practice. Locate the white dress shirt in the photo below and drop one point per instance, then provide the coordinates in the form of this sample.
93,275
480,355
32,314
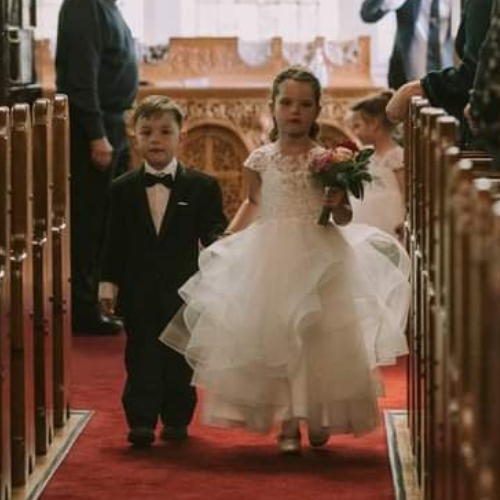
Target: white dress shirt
158,196
418,49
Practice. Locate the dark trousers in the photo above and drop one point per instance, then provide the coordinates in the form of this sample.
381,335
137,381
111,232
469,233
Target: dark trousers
89,206
158,380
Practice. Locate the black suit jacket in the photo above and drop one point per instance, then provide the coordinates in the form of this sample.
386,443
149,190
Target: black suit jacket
147,267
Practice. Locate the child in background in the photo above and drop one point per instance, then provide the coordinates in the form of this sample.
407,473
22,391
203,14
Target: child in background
383,203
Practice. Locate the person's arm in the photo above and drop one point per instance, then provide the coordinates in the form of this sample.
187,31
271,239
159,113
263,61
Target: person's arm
373,10
449,88
213,220
249,209
397,107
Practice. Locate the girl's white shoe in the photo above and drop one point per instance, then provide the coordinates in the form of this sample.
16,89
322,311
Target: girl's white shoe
289,445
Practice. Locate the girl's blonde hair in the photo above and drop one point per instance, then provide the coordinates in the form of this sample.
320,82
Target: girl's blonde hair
297,74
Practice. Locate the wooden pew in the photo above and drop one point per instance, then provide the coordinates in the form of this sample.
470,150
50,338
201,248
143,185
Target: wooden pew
61,300
472,333
5,391
428,147
486,338
416,391
441,373
23,435
42,273
446,137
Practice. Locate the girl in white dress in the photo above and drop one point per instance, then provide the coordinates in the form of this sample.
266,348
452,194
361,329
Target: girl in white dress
286,320
383,203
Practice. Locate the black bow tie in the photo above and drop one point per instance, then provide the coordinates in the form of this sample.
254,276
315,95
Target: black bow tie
151,180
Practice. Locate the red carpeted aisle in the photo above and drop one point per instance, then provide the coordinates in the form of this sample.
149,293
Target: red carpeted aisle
215,464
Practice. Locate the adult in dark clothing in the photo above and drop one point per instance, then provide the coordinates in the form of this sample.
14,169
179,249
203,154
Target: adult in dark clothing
449,88
96,67
159,216
423,40
485,97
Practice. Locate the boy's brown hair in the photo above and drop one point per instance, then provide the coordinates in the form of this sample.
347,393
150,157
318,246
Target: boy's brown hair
154,105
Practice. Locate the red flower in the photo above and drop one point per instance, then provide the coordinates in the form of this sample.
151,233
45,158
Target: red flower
349,145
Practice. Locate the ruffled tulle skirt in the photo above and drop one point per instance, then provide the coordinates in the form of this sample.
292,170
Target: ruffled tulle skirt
288,319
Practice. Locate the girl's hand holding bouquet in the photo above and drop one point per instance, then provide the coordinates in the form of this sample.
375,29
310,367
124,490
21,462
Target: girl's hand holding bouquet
341,170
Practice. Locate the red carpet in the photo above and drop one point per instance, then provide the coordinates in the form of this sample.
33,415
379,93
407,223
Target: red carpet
215,464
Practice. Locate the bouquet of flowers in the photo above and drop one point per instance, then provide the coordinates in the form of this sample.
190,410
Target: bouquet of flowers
343,168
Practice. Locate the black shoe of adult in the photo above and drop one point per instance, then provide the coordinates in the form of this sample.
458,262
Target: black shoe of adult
141,437
101,325
170,433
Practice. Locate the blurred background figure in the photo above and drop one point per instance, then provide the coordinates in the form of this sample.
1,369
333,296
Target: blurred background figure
96,68
383,203
423,40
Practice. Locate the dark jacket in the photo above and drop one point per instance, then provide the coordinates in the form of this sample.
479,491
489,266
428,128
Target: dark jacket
96,63
449,88
144,264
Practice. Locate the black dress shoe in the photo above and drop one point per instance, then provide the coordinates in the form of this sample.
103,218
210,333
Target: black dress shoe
141,437
170,433
101,325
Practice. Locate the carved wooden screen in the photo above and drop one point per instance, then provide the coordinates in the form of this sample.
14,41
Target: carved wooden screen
218,151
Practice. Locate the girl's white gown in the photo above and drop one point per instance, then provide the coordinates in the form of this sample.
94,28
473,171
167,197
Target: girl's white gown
289,319
382,205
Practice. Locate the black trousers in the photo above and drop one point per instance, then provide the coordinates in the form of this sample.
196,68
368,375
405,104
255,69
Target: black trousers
158,380
89,206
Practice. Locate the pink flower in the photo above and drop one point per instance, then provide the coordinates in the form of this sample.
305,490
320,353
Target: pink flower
322,161
341,153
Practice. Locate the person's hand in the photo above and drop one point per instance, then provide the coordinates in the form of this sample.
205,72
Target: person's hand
101,153
397,107
333,198
470,120
107,307
338,201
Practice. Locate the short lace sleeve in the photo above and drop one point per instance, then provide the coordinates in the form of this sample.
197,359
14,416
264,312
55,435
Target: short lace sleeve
394,160
257,160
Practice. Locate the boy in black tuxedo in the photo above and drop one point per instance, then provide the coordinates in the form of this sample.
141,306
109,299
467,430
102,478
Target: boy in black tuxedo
159,216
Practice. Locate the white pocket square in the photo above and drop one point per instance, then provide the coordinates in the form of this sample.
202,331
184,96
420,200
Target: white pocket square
183,203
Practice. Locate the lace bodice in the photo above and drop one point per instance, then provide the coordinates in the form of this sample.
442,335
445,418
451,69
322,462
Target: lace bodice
287,190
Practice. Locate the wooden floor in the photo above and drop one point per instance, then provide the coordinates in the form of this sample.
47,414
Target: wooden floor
46,465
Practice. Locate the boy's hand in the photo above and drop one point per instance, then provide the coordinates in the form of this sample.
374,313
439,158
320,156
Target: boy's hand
107,307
